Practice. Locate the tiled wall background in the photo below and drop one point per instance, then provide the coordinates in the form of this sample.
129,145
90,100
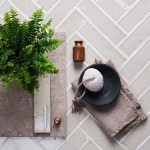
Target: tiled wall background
116,29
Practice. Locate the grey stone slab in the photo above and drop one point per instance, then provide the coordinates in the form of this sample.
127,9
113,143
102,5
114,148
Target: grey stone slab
17,105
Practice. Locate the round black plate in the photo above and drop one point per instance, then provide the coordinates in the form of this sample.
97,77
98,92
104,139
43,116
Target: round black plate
110,90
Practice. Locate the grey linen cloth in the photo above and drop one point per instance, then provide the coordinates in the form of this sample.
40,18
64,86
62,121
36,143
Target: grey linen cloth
119,116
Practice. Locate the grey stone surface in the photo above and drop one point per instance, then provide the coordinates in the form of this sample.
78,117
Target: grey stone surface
17,105
16,112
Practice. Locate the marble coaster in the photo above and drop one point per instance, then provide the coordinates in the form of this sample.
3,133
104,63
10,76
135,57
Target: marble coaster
17,105
42,109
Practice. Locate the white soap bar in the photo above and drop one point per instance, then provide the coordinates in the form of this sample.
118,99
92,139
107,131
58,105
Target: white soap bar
42,106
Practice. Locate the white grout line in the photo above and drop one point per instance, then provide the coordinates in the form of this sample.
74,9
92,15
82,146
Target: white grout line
125,79
143,142
120,3
102,33
86,45
69,14
84,144
124,147
131,130
99,54
148,113
90,139
1,16
105,37
77,30
121,145
73,132
70,37
121,52
26,17
139,73
69,63
57,4
86,64
66,17
47,13
69,112
69,87
2,2
128,133
128,10
143,93
135,27
130,6
134,53
38,6
5,140
109,17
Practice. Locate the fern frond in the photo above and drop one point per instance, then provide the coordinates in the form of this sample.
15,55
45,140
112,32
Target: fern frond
10,27
4,55
26,51
22,50
35,24
22,35
46,44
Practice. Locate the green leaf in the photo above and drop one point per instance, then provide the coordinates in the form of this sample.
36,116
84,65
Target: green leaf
22,49
46,44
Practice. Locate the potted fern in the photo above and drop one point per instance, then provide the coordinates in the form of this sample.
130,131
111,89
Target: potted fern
22,50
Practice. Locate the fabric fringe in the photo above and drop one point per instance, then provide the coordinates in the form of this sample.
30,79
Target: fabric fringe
78,103
77,106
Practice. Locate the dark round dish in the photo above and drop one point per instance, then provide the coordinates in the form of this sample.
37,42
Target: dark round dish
110,89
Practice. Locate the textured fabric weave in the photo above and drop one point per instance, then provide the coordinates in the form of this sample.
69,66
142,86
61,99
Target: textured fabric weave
120,115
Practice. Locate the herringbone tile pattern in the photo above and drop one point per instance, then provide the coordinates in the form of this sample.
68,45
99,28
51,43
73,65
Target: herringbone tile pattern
111,29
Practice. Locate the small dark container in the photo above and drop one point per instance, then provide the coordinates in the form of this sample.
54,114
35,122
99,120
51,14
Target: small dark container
110,89
78,52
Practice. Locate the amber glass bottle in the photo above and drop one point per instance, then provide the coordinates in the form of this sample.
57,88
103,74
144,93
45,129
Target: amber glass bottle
78,52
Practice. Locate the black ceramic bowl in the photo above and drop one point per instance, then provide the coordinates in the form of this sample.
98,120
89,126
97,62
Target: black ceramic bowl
110,89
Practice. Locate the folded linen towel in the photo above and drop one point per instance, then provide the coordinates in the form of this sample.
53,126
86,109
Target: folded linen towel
119,116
